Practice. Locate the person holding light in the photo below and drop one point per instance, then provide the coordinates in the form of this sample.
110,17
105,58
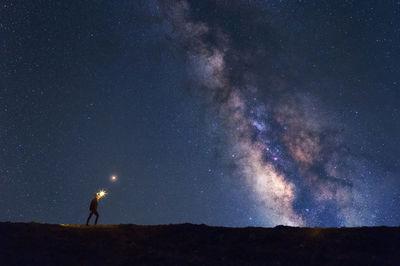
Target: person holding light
93,209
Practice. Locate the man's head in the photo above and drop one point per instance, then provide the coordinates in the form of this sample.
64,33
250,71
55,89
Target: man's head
96,195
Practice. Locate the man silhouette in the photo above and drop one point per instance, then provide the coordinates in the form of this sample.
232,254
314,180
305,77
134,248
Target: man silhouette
93,209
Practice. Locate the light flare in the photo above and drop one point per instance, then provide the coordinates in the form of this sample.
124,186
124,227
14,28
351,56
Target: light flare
101,193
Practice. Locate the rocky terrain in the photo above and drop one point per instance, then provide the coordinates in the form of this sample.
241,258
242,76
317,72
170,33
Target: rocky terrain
189,244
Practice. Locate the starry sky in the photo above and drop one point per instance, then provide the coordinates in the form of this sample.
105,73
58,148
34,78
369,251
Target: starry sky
232,113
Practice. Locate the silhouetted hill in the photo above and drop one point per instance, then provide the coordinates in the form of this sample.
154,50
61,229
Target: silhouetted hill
188,244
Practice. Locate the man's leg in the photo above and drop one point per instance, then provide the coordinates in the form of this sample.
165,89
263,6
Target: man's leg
97,217
90,216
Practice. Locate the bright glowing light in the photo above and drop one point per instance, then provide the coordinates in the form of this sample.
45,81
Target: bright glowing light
101,194
113,178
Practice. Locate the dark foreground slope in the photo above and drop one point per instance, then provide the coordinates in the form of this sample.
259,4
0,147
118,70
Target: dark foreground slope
187,244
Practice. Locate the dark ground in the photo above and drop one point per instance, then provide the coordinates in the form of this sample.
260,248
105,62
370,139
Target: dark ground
188,244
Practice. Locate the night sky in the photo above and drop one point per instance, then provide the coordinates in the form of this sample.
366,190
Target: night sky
233,113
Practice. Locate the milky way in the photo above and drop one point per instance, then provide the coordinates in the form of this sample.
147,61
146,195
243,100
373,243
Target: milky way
283,149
